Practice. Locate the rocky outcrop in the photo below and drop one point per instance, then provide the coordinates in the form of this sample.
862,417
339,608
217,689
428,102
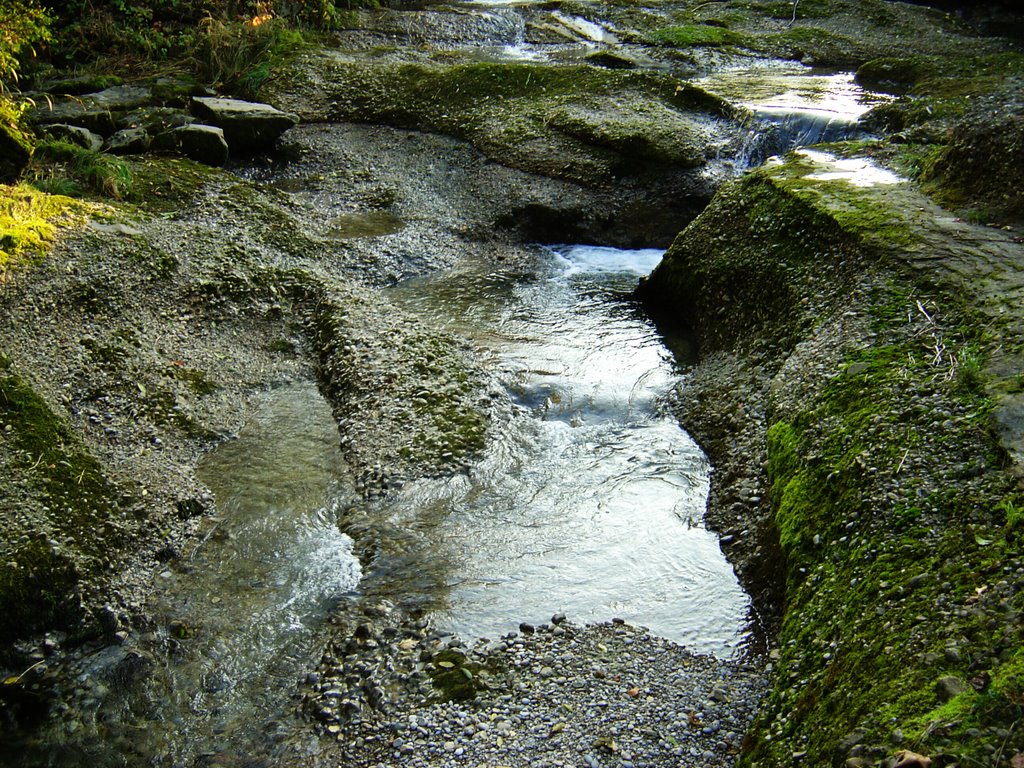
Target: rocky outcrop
132,120
248,126
845,394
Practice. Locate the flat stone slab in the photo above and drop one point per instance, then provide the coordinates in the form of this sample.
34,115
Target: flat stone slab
248,126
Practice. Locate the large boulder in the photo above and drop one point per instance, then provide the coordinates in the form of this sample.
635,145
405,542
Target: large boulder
248,126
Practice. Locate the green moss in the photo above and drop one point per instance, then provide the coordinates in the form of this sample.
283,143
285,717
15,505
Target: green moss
167,184
781,9
754,227
196,380
38,591
691,35
864,212
40,572
871,586
29,220
821,45
553,120
59,162
80,496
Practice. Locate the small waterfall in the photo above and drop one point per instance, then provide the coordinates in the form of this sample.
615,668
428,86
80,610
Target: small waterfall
792,127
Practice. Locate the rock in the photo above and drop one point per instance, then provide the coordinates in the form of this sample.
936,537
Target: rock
94,111
156,120
908,759
129,141
96,119
248,126
74,134
115,229
120,98
76,86
610,60
15,152
949,687
203,143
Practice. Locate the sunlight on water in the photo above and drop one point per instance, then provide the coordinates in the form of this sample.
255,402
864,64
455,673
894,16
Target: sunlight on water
590,500
780,89
856,170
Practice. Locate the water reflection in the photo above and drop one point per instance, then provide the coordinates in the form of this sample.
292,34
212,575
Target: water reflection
236,621
590,499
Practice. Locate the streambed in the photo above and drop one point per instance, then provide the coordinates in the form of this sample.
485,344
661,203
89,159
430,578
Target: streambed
589,499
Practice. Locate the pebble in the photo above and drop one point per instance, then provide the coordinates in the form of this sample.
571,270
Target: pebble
615,702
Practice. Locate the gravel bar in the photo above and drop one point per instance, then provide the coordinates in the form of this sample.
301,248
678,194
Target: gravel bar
607,694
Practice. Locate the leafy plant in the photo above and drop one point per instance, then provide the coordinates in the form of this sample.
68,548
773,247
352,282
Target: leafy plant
23,25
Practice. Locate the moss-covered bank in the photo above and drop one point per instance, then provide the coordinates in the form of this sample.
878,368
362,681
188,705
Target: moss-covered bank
579,123
868,354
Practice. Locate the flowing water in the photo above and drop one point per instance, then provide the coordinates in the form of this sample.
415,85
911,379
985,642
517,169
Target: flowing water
589,501
796,106
237,620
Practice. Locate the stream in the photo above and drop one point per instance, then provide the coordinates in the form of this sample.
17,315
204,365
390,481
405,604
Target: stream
587,501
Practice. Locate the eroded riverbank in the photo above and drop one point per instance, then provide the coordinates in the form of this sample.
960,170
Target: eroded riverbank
146,340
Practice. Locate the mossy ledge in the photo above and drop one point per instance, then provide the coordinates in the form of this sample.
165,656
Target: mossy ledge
859,382
578,123
81,508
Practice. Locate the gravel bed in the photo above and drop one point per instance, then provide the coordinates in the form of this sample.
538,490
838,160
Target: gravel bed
608,694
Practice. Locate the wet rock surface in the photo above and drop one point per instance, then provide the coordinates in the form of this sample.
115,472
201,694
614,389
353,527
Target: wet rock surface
861,436
144,339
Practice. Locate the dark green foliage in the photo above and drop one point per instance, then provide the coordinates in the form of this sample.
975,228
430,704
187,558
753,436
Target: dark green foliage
69,169
23,25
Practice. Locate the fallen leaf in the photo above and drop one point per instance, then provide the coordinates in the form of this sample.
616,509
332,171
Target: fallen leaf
634,692
408,644
694,720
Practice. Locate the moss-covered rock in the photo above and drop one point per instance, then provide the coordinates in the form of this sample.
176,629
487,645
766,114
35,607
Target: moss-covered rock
871,329
81,508
574,122
980,167
15,144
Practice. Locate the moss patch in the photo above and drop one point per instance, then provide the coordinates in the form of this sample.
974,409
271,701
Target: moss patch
883,597
750,228
689,35
38,580
576,122
29,221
